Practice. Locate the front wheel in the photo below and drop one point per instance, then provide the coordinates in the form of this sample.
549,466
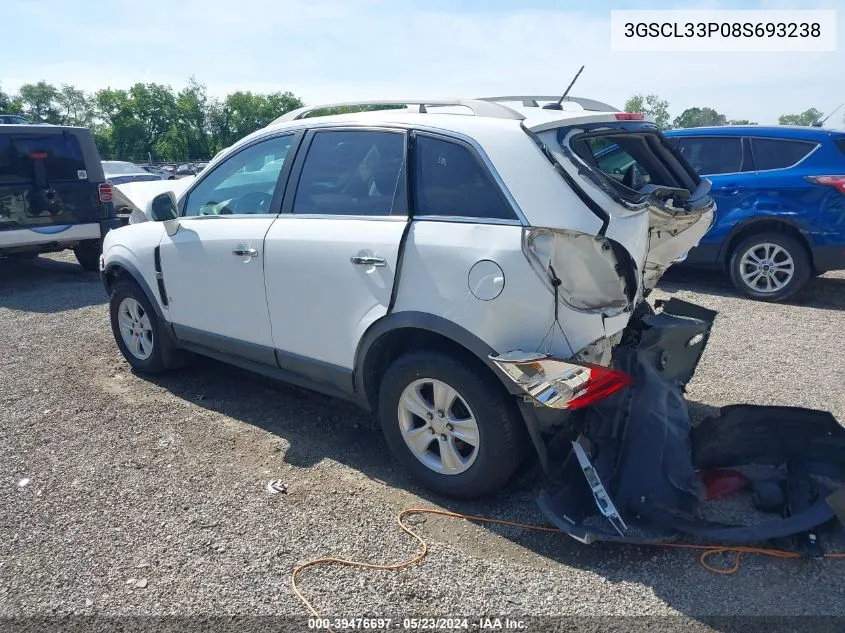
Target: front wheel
769,266
136,328
452,426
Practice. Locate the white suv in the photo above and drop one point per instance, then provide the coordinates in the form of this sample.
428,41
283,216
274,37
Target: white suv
463,268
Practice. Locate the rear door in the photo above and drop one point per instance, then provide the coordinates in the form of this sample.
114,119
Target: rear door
726,161
332,255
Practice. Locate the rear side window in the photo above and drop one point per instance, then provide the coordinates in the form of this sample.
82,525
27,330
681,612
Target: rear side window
711,155
452,181
777,153
352,173
55,157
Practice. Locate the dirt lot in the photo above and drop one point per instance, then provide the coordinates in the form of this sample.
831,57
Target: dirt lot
163,481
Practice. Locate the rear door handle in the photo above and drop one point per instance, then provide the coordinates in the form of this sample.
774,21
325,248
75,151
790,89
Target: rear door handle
245,252
368,261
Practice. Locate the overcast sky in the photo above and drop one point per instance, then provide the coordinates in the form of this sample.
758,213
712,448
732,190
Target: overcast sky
348,49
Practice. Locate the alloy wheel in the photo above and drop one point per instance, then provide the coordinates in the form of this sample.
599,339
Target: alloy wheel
135,328
766,268
438,426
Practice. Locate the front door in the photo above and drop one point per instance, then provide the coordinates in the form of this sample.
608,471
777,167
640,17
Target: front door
213,266
332,254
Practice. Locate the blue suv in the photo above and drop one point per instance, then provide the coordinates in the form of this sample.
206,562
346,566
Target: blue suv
780,196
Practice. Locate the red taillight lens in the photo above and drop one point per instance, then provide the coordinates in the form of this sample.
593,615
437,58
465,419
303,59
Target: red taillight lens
106,192
603,382
629,116
837,182
38,155
560,384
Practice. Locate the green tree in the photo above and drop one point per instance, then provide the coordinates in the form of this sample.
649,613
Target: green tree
243,112
39,102
699,117
807,117
73,107
741,122
652,106
5,102
193,109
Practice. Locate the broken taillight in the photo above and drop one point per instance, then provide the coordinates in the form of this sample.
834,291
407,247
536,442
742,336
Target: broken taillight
106,192
837,182
560,384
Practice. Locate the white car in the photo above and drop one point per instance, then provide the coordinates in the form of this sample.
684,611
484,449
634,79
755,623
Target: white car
460,267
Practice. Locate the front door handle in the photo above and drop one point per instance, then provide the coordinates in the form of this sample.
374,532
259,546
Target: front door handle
369,261
245,252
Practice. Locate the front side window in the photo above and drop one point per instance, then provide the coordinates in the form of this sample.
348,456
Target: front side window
452,181
352,173
776,153
243,183
712,155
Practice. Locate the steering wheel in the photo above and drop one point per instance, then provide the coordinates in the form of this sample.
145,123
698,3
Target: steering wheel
253,202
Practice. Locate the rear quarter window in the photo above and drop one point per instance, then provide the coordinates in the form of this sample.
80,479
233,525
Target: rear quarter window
22,156
776,153
451,180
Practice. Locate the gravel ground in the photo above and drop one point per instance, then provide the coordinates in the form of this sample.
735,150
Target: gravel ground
163,481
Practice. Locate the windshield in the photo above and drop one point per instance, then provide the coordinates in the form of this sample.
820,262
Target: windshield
115,168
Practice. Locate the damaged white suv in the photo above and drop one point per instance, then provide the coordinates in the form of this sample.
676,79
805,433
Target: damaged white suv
464,268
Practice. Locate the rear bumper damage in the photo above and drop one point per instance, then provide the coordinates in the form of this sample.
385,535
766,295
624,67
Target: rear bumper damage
631,466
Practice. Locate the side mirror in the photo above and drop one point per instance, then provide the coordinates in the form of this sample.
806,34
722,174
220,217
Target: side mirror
163,207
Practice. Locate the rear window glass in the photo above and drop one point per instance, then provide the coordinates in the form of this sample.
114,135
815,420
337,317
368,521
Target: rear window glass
637,161
614,161
776,153
23,157
452,181
711,155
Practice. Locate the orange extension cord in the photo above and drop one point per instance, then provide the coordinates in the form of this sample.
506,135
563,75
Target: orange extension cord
706,550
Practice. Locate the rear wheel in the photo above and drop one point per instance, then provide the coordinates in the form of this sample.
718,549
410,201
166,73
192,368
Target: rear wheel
452,427
769,266
88,255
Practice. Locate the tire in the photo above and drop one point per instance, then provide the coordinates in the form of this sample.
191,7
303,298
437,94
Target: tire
152,360
500,434
88,255
770,248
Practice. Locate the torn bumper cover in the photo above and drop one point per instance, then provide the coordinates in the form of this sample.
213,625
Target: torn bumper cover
629,467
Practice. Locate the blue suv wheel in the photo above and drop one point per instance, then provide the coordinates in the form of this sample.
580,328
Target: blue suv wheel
769,266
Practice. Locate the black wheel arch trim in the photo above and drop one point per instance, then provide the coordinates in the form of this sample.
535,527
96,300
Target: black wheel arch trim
118,261
431,323
724,250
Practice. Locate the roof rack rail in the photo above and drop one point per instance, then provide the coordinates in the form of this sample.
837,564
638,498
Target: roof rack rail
531,101
479,107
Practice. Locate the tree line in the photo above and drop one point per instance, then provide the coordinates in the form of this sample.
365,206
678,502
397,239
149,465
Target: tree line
150,120
658,110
